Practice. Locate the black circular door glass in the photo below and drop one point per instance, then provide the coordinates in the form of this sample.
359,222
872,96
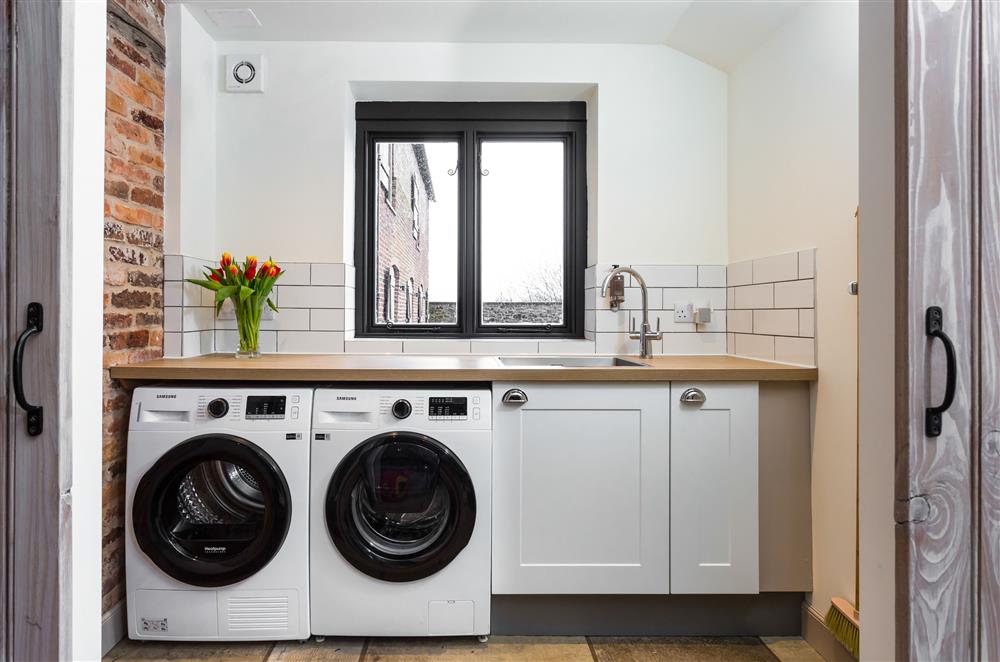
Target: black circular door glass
212,511
400,506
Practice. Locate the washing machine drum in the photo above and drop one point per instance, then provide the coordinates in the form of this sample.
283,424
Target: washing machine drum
212,511
400,506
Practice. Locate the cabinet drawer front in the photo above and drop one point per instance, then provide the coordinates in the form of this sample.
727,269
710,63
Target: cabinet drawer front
580,489
713,488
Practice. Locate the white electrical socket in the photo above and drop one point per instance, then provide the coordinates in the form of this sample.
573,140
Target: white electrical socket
683,312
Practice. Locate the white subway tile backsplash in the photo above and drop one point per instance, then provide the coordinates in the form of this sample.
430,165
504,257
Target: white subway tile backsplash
807,263
195,267
328,274
665,318
807,322
619,343
713,275
436,346
795,350
754,296
173,319
694,343
794,294
296,273
310,296
173,267
198,319
326,319
776,268
719,323
757,347
288,319
557,347
667,275
739,273
504,347
196,343
304,342
776,322
590,320
228,340
739,321
608,321
173,293
773,319
173,344
373,346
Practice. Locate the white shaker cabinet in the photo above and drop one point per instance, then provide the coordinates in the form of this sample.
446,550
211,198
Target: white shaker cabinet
713,488
580,488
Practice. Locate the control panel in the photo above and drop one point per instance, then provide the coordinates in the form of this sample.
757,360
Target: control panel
265,407
447,408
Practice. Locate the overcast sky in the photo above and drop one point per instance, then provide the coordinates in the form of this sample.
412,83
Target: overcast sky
522,216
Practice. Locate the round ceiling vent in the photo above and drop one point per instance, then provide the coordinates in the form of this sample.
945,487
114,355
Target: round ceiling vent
244,72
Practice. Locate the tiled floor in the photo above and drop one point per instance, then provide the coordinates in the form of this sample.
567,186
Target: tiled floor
498,649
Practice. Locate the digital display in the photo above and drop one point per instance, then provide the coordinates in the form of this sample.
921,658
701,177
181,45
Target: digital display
447,407
265,407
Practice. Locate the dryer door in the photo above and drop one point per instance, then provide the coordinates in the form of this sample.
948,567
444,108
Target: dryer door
400,506
212,511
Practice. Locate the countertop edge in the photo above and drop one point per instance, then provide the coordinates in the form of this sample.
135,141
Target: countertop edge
175,370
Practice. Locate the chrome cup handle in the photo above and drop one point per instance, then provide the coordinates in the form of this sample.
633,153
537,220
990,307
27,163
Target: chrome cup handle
693,396
514,396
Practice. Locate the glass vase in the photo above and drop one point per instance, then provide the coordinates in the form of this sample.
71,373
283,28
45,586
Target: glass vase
248,324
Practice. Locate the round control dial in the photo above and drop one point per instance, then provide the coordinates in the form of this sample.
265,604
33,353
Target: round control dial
401,409
218,408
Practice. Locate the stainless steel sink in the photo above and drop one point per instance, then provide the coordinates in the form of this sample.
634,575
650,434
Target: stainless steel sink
568,362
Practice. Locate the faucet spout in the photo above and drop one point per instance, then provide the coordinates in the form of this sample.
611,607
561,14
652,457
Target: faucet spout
645,335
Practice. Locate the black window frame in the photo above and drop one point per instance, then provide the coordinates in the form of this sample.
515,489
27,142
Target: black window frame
469,124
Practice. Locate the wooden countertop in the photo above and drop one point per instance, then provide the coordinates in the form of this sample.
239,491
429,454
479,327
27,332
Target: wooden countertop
466,368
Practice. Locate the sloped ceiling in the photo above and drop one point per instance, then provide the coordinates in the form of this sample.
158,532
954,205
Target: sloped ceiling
719,32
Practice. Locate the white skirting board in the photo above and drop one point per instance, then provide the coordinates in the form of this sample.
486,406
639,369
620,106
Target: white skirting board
112,627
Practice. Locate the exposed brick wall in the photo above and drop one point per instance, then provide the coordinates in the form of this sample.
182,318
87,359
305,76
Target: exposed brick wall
133,241
397,247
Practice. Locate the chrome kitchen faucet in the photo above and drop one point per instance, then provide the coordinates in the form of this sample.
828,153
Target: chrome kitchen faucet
645,333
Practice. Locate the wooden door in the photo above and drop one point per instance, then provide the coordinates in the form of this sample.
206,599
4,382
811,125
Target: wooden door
36,617
580,489
713,488
937,266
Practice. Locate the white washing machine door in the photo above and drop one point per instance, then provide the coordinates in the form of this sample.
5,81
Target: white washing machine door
212,511
400,506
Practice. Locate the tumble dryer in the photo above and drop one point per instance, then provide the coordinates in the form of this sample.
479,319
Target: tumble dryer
217,501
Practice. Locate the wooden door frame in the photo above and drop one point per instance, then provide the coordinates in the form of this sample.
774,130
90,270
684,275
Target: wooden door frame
36,532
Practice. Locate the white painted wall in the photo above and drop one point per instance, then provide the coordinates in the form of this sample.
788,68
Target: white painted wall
877,383
285,158
793,183
84,26
192,79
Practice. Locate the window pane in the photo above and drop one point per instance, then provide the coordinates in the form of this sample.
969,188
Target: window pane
522,197
416,221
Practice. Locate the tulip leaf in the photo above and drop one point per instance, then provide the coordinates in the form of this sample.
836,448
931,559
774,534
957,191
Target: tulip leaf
245,292
270,304
224,293
218,307
208,284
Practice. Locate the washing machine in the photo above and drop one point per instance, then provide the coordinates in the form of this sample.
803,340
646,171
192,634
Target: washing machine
217,513
400,512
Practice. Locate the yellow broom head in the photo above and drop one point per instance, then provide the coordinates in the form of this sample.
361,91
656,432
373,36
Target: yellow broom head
842,621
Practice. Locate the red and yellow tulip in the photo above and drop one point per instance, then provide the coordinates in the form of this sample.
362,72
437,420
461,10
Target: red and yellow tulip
249,288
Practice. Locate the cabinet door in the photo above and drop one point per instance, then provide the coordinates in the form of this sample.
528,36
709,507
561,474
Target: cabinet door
580,489
713,489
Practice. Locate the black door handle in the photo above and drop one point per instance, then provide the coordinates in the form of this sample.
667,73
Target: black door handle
932,418
33,326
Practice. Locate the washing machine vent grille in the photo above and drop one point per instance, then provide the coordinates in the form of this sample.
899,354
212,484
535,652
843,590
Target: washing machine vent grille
263,613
